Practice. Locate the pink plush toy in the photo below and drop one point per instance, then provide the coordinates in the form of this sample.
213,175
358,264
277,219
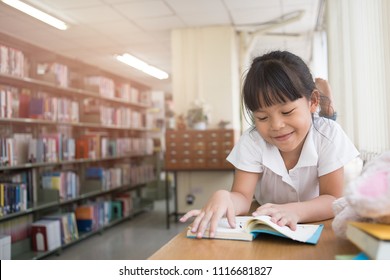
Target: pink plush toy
367,198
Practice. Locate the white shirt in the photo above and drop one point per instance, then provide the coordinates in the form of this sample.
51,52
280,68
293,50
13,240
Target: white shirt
326,149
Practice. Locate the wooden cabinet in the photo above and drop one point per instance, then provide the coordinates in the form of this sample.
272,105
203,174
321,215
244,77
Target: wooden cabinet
198,149
70,135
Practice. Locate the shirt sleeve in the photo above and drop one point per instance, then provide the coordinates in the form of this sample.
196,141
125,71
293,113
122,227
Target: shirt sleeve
246,155
337,150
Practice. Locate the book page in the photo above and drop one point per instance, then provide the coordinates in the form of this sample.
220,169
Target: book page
224,231
223,225
303,232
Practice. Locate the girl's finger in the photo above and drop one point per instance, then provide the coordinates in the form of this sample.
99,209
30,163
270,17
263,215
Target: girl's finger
189,214
197,221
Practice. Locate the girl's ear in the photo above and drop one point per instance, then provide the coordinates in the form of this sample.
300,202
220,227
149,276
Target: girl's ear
314,101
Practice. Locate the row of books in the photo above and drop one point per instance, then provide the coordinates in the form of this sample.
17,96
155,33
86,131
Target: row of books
95,215
99,178
118,116
16,193
372,239
43,106
15,103
9,107
67,183
106,87
59,71
131,94
13,198
12,61
54,230
141,174
49,108
95,146
22,148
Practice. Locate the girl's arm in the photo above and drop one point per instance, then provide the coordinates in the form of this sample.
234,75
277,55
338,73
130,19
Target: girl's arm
317,209
225,203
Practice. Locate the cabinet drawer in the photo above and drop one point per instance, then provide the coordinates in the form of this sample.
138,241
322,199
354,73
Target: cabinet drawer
198,145
227,135
178,145
178,153
192,149
214,153
199,163
178,163
213,135
214,144
214,162
198,136
177,136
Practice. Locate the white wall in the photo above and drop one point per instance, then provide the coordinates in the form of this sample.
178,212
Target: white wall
205,66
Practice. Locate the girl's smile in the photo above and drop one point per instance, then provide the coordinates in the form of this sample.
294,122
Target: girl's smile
283,137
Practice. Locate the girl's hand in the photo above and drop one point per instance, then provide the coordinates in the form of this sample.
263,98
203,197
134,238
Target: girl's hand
279,214
219,205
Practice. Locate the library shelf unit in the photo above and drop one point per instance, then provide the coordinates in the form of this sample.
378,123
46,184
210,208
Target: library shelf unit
72,136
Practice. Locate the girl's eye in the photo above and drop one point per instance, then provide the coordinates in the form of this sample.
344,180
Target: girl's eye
261,119
288,112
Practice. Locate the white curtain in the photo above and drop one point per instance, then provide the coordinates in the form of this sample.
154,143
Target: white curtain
359,69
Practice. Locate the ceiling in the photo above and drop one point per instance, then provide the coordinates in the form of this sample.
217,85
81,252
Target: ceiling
99,29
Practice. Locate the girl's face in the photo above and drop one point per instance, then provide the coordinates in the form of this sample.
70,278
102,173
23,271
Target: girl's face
286,125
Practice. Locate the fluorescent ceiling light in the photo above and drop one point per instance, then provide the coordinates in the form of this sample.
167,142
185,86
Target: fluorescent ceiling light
31,11
142,66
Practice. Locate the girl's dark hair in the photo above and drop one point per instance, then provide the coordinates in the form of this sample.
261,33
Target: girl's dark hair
276,77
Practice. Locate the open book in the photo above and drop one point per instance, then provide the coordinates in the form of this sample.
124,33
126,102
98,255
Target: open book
249,227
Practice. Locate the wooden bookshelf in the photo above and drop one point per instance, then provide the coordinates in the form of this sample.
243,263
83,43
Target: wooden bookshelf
49,102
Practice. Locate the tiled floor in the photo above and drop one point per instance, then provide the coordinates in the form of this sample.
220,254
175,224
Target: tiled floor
135,239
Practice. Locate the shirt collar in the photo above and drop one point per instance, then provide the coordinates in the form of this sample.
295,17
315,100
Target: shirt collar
309,154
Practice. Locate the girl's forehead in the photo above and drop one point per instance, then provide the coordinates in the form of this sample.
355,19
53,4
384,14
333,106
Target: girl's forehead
280,105
273,106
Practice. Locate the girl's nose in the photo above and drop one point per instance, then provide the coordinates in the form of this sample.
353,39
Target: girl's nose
277,123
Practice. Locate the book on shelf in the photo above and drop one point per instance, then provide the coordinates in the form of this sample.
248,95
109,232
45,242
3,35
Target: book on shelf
127,203
36,108
69,232
5,247
46,235
87,217
373,239
13,197
250,227
21,143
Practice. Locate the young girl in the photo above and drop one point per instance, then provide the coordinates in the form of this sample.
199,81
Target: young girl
291,161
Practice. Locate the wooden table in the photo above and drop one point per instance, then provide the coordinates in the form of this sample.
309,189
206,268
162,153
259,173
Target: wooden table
264,247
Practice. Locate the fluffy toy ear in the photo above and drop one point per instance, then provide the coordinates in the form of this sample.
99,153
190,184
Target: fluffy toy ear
369,195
